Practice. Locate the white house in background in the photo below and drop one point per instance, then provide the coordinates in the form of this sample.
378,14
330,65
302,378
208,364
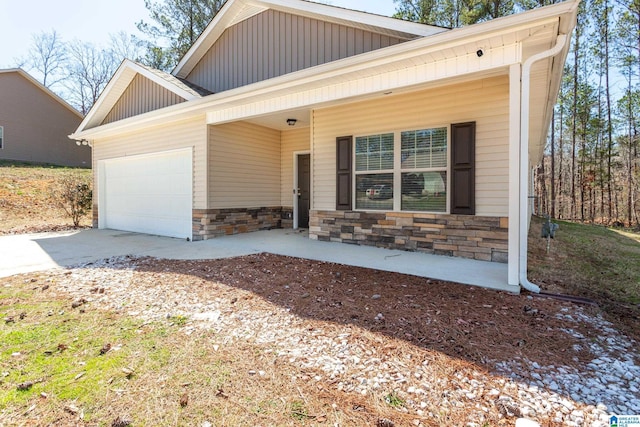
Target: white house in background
367,130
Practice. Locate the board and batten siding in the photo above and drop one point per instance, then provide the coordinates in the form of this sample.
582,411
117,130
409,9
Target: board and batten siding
141,96
484,101
275,43
292,141
244,166
187,134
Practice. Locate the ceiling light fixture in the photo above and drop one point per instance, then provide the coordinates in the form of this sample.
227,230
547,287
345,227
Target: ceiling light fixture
291,122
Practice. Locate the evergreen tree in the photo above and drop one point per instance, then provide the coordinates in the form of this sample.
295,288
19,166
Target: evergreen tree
176,24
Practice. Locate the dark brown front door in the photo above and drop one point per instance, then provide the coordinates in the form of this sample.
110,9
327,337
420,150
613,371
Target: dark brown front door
304,189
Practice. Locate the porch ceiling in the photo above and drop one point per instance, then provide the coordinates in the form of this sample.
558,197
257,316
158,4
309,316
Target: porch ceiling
278,120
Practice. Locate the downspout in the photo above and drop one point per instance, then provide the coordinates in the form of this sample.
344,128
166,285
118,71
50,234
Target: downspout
524,156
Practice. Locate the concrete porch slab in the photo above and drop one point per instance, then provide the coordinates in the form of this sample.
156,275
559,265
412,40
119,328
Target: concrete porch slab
34,252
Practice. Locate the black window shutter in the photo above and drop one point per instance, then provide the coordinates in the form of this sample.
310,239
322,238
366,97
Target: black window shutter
463,168
343,172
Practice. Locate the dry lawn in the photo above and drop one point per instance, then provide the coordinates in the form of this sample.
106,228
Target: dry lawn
161,368
26,204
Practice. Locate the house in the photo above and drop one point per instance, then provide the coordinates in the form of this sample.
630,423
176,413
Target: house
369,130
35,122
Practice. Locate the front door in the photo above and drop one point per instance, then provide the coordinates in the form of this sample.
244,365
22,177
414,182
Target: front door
304,189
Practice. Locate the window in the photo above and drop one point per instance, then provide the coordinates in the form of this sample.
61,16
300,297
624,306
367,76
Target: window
374,171
1,136
424,170
414,180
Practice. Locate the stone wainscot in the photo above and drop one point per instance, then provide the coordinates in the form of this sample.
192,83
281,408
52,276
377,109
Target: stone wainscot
469,236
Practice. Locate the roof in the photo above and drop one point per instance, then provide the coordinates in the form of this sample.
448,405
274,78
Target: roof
235,11
121,79
42,87
442,57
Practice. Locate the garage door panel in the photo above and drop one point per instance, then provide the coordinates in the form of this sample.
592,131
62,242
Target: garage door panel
148,194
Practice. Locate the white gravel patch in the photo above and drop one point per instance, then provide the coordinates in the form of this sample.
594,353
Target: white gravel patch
609,384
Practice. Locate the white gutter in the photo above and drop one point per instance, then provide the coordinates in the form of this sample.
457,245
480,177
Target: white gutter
524,156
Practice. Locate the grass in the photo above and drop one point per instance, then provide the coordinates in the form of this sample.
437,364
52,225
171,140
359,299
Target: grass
591,261
54,370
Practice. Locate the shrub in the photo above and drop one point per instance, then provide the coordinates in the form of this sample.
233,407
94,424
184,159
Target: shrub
74,195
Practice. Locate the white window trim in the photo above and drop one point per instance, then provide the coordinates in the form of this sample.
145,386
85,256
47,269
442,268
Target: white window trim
397,170
1,137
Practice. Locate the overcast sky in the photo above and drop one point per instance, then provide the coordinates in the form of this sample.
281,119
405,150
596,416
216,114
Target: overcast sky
94,20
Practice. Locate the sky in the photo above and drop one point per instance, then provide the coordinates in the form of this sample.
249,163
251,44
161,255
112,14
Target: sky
94,20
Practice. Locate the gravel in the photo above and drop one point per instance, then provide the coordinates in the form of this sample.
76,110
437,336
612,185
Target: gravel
344,357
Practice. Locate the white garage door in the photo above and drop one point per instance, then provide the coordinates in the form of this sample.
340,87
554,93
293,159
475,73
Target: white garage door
149,194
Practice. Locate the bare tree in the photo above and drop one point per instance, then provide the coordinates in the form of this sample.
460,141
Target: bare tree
89,72
125,46
47,56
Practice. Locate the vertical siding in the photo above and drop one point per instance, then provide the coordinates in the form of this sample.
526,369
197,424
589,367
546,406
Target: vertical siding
274,43
192,133
292,141
244,166
35,125
484,101
142,96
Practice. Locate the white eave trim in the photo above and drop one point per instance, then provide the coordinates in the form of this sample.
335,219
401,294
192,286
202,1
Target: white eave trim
307,77
110,96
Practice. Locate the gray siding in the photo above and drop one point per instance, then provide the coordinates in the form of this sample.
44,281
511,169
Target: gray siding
36,125
274,43
142,96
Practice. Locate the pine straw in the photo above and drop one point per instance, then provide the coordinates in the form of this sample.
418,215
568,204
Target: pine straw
459,332
472,324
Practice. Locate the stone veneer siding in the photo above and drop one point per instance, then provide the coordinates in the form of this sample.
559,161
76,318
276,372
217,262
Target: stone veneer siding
94,216
210,223
478,237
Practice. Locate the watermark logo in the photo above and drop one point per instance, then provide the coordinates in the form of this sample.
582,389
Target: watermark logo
624,421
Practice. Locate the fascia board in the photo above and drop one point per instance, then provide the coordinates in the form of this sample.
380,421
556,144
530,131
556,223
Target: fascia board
309,76
109,96
208,37
163,82
227,15
99,106
352,17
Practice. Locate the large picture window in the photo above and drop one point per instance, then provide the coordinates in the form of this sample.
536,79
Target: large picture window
404,170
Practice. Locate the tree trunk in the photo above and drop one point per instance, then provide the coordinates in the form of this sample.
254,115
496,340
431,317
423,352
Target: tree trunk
608,94
560,160
574,127
553,164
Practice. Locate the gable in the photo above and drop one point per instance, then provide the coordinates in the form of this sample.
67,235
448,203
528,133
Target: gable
274,43
13,73
141,96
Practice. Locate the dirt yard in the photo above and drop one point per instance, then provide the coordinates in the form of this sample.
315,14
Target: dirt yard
352,346
26,204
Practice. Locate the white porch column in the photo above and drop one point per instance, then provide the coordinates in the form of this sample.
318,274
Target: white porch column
515,87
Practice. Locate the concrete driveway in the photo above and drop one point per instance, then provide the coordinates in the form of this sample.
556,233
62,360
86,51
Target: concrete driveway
34,252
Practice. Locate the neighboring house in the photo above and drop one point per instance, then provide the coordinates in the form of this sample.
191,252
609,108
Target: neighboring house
368,130
35,122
